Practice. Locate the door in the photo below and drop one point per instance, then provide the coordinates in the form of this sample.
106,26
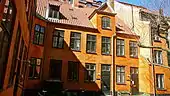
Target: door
134,80
105,76
55,69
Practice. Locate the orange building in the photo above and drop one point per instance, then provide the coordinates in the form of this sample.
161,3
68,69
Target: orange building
14,38
71,50
126,60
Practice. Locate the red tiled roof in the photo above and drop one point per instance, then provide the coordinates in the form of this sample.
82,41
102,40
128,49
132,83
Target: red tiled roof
74,16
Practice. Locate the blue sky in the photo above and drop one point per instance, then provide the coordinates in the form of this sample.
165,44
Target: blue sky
152,4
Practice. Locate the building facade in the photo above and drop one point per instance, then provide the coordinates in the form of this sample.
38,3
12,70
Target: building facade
70,49
14,38
153,61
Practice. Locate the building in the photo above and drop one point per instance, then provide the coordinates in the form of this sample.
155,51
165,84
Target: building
126,61
75,55
153,79
68,49
14,38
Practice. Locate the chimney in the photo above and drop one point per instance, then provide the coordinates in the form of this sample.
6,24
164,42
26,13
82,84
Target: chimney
74,3
111,3
161,11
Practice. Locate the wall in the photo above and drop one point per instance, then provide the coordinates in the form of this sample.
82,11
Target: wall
21,20
125,61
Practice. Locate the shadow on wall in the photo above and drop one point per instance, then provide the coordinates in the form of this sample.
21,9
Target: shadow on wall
67,75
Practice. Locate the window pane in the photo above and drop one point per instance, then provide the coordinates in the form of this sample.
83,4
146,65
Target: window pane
36,37
120,47
75,41
55,40
91,43
41,39
38,62
90,72
118,77
31,71
61,41
42,30
37,27
122,77
105,22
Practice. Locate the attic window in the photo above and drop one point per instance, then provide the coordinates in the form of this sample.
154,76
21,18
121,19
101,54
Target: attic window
105,22
54,12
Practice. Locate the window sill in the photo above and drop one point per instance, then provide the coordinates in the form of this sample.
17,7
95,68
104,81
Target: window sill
161,89
58,48
75,50
134,57
121,83
159,41
121,56
106,54
91,53
106,28
89,82
33,78
38,44
158,64
73,81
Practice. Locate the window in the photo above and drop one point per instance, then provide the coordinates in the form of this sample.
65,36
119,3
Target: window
155,36
39,35
58,39
106,22
160,81
54,12
34,68
91,44
55,71
70,1
106,44
14,58
133,49
158,57
75,40
24,65
90,72
120,74
120,47
88,5
4,52
73,71
9,15
143,16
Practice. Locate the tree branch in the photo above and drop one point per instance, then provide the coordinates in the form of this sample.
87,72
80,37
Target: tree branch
157,47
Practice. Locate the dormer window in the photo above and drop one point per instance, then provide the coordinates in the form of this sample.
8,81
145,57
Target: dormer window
54,12
105,22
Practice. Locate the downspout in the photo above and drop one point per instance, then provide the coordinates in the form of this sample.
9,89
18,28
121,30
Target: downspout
113,65
152,63
30,31
132,18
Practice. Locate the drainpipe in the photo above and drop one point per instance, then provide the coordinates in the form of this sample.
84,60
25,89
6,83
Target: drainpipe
113,65
132,18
